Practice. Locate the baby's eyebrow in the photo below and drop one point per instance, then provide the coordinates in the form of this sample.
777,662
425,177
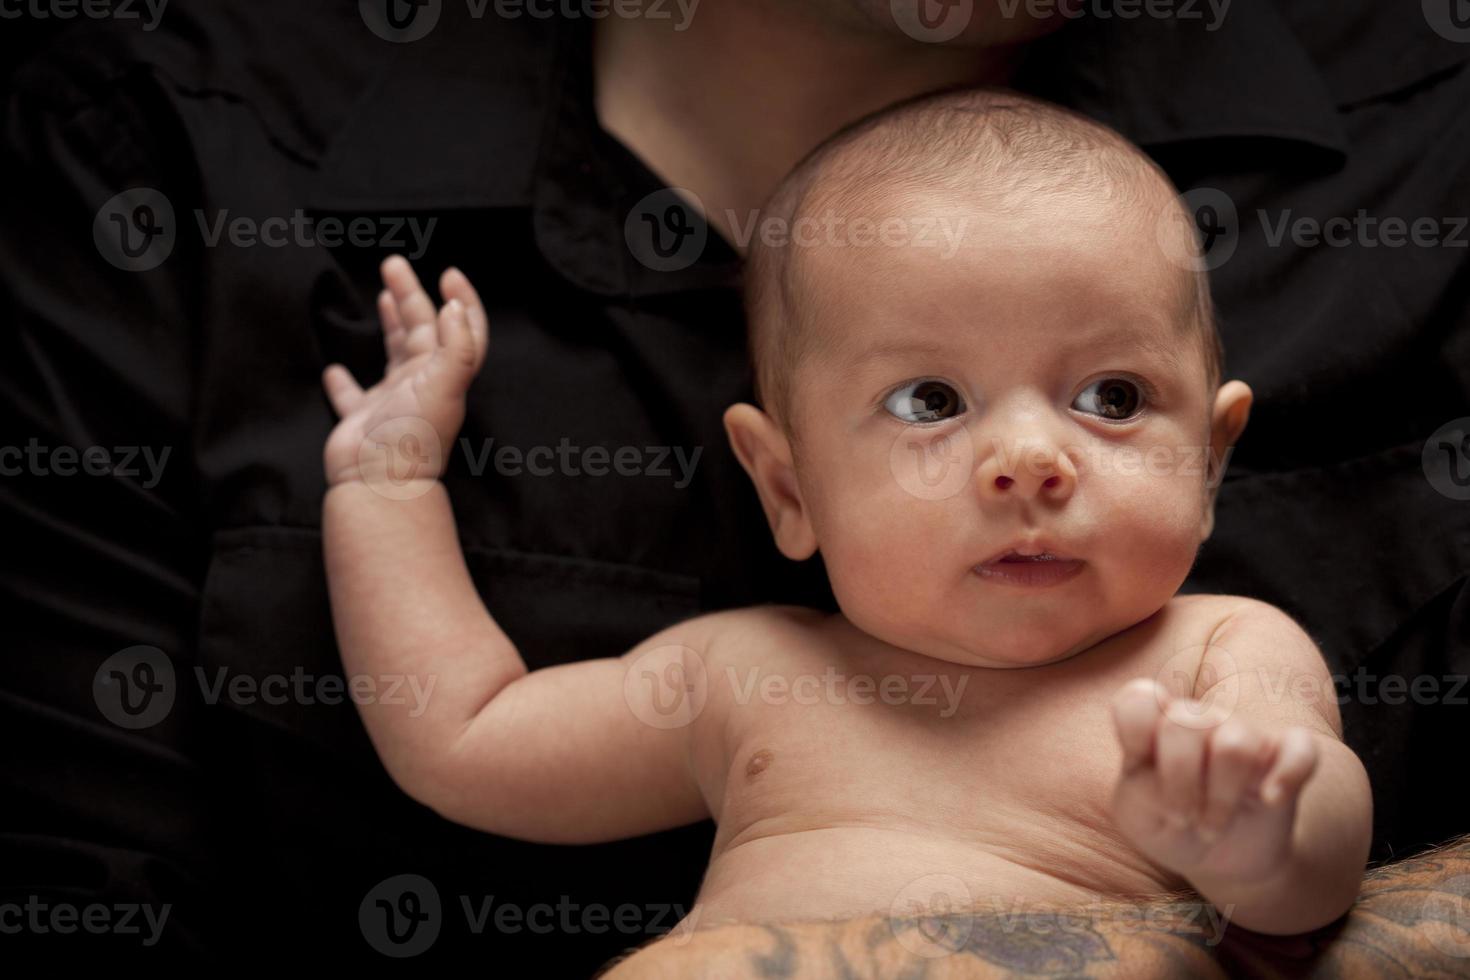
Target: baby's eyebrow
1132,342
856,355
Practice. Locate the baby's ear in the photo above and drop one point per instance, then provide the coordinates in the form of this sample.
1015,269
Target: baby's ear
1231,410
765,452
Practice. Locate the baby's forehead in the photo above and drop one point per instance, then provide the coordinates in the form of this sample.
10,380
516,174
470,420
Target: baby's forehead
1085,240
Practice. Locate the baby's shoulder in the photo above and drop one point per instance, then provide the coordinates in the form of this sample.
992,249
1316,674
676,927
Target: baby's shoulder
1217,613
765,630
730,636
1209,612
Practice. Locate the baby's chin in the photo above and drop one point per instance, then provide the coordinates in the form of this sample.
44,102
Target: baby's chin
997,641
1008,645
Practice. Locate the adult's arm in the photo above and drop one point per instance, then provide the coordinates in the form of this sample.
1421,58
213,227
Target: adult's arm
1412,918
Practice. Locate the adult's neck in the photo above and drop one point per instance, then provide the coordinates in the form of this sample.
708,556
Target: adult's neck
727,105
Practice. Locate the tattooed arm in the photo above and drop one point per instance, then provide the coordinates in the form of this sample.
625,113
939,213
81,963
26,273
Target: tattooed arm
1411,919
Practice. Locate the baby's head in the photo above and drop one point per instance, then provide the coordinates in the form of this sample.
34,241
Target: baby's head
983,335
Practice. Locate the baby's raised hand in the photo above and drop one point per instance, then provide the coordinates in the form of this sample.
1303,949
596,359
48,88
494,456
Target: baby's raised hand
1204,794
401,429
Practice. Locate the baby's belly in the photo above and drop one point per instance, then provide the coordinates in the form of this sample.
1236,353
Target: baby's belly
847,872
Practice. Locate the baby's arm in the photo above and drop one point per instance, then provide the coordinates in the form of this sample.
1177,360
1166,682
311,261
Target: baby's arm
560,755
1245,788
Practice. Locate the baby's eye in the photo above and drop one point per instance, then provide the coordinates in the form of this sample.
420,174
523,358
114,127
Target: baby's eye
924,401
1114,399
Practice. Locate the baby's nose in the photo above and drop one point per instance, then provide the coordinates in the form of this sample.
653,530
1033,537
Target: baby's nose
1026,469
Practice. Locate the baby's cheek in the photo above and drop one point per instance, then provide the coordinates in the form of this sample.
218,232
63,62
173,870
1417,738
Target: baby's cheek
1156,526
884,549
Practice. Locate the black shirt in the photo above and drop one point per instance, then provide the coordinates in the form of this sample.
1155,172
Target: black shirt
252,802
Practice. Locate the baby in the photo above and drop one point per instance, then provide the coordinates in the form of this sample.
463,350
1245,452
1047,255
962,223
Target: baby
1007,456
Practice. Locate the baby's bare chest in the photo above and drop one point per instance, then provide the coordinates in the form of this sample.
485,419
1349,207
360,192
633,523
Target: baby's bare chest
811,743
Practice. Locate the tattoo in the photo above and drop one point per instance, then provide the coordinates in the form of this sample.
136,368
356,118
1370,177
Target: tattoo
780,962
1412,918
1068,949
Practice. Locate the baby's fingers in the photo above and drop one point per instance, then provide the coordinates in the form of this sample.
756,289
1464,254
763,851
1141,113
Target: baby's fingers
1236,754
1136,710
455,360
415,308
394,333
454,284
1296,760
342,390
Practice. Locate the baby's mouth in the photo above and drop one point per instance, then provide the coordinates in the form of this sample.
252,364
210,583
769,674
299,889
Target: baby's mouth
1029,568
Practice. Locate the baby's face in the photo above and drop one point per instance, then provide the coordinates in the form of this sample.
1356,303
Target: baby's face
1041,389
